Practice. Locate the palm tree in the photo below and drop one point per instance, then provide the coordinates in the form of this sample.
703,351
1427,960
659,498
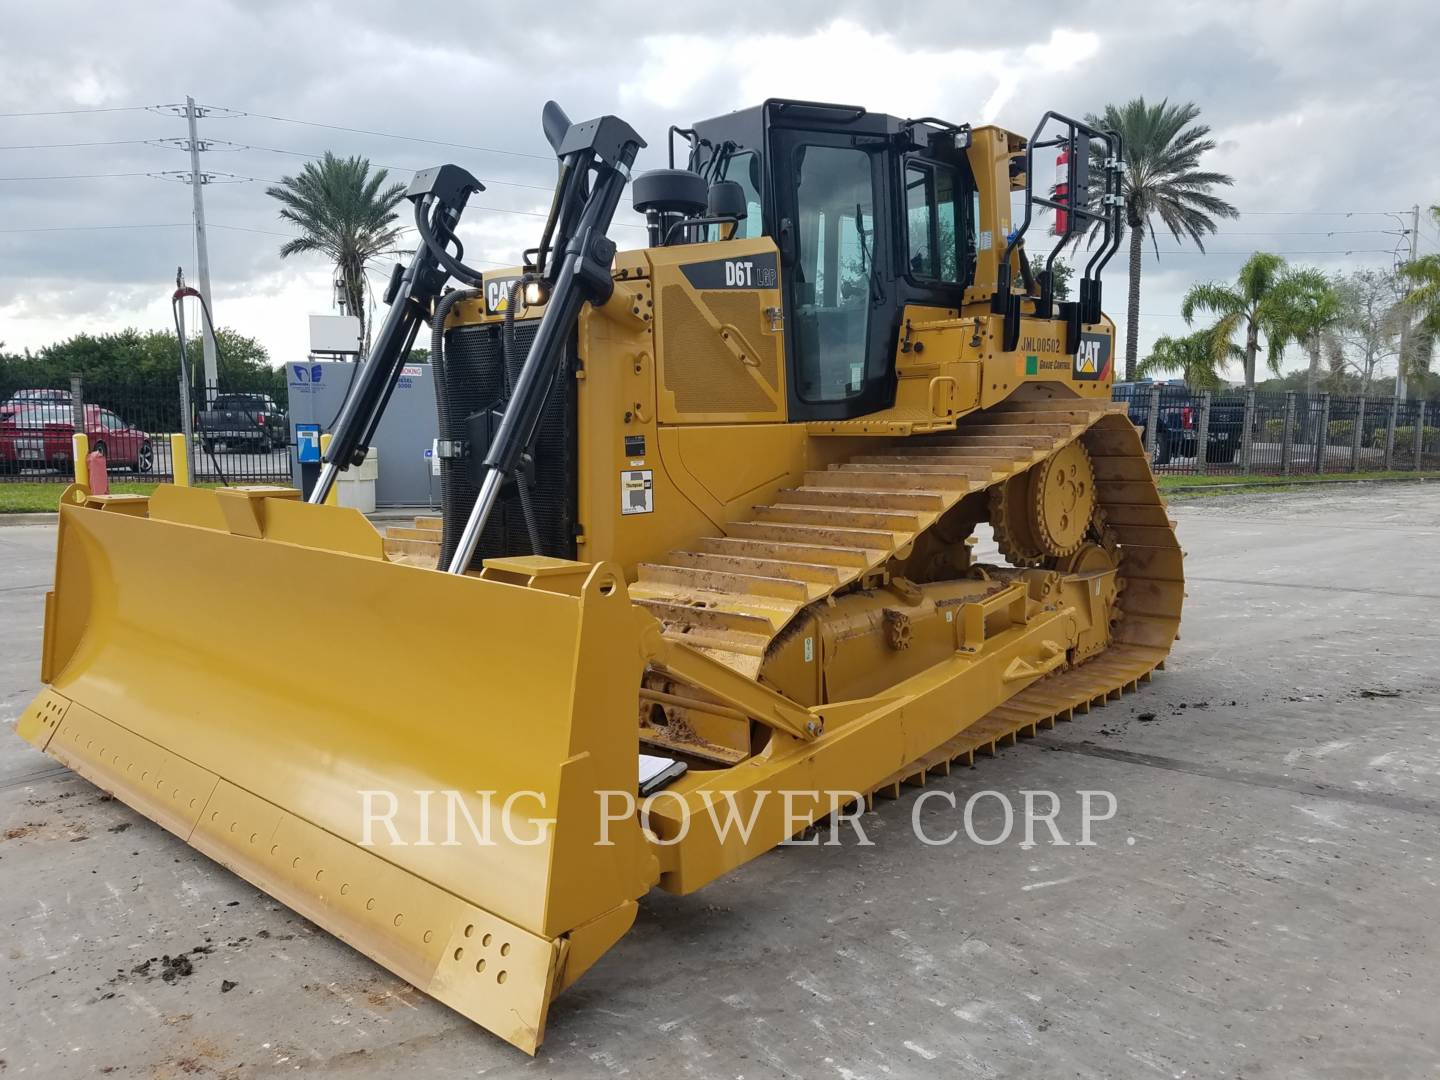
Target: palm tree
1266,298
1198,357
1424,274
1163,178
1318,310
344,211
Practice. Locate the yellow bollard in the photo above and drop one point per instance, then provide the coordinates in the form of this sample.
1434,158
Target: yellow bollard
179,461
80,451
332,497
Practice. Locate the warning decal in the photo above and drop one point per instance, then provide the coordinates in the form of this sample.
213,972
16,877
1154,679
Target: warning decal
636,492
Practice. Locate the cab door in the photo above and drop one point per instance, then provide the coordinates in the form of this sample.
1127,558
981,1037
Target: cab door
833,230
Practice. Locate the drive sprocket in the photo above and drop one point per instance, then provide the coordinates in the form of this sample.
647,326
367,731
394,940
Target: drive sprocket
1046,511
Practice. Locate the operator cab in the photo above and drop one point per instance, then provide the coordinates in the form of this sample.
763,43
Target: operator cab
869,213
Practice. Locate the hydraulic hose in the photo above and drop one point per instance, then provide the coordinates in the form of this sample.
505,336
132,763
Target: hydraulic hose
437,243
207,446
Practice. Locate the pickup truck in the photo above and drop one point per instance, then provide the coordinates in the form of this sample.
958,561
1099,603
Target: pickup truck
1177,423
243,419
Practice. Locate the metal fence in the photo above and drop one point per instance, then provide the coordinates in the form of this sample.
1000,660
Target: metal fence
241,432
1281,433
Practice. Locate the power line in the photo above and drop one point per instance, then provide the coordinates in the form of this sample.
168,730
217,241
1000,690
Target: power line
72,145
291,236
1037,255
185,177
248,229
236,178
223,144
390,135
76,112
1252,251
219,145
187,224
231,113
1327,232
88,228
1320,213
75,176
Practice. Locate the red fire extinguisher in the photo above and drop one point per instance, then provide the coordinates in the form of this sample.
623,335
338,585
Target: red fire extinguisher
1062,190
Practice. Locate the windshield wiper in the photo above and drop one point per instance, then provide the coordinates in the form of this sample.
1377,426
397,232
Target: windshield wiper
877,292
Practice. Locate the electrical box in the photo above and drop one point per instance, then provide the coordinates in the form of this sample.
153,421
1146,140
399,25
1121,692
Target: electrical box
336,334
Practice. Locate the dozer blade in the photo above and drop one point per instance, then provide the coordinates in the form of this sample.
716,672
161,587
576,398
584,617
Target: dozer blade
243,669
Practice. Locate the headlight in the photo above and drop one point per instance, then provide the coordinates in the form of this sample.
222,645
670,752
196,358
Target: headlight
535,293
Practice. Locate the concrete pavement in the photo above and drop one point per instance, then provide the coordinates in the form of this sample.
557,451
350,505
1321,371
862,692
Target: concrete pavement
1273,916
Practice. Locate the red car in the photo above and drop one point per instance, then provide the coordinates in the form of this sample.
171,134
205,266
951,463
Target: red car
37,397
37,436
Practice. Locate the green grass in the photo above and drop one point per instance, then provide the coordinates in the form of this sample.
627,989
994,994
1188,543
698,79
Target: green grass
41,498
33,498
1200,486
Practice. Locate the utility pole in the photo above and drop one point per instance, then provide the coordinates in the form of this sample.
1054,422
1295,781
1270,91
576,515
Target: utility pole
202,253
1414,231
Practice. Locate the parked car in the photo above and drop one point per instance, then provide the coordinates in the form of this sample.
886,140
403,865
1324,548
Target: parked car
1178,420
248,419
37,436
37,397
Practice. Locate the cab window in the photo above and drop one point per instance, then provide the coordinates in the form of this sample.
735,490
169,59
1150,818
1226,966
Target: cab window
744,168
834,274
931,191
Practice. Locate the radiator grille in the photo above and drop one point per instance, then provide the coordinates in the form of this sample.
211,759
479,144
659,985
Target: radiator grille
476,381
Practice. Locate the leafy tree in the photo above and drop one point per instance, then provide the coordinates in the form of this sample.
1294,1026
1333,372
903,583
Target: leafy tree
346,212
1163,145
1289,380
1267,298
141,357
137,372
1061,273
1199,358
1368,335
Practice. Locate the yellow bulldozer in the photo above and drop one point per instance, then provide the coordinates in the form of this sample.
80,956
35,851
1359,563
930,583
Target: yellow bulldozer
705,573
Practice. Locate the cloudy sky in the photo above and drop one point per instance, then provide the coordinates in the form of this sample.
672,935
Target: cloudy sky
1324,112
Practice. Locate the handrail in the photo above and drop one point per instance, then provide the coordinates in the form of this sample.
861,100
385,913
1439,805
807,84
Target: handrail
1078,137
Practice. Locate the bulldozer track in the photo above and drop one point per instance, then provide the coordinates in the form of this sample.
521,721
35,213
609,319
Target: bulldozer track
730,595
